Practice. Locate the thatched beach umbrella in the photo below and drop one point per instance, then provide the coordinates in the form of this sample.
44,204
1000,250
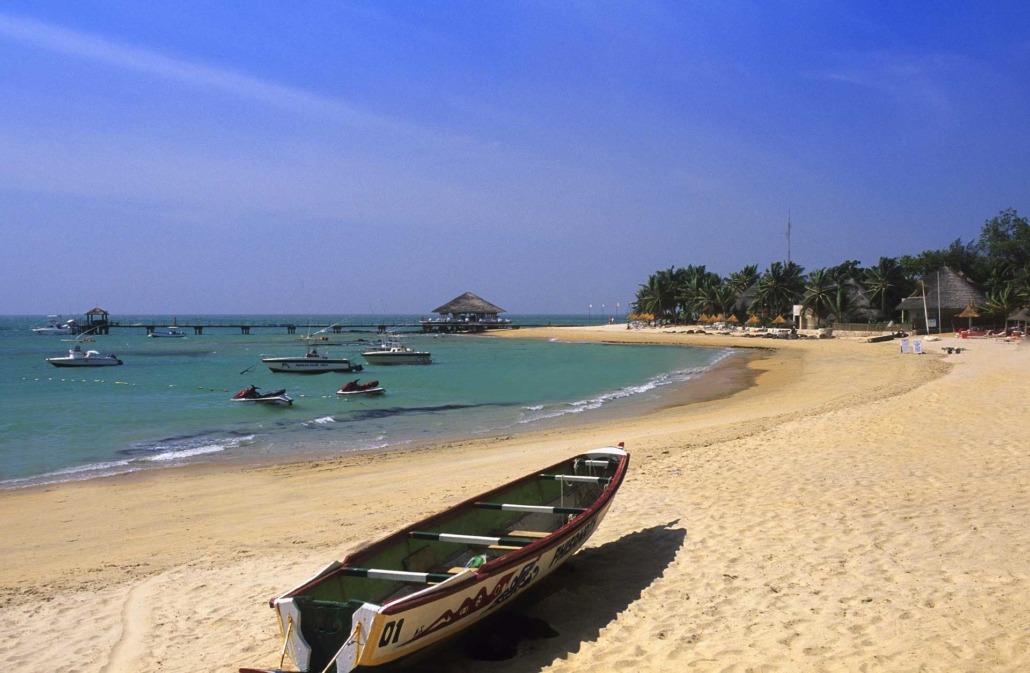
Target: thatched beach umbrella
753,320
779,320
969,312
703,319
1020,316
732,319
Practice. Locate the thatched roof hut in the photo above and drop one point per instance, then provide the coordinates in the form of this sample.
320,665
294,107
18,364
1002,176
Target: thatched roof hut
466,313
947,294
1020,316
468,305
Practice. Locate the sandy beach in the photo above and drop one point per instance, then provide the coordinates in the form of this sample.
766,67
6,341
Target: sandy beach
851,508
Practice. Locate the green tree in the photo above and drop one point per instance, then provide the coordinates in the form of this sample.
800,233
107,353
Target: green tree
851,269
692,290
779,288
720,297
843,304
741,280
820,294
1005,237
656,296
886,285
958,256
1002,302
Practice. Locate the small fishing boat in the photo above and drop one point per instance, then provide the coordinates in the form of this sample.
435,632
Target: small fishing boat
393,352
432,580
370,388
252,395
172,332
311,362
54,326
78,358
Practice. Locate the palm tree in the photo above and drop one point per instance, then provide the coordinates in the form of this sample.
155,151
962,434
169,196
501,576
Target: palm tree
1021,281
658,295
843,303
779,288
1003,301
651,296
688,283
724,296
885,284
690,290
820,294
741,280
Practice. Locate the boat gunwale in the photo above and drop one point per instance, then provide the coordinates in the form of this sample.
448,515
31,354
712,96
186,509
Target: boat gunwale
491,568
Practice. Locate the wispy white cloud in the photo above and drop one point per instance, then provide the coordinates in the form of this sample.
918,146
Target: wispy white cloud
917,82
147,62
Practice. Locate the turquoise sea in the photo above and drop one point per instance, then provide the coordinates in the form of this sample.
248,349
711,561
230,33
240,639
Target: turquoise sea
169,403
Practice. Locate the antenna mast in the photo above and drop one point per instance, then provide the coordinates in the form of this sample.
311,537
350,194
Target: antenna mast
788,235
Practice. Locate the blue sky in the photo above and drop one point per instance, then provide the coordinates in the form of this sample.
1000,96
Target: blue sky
379,157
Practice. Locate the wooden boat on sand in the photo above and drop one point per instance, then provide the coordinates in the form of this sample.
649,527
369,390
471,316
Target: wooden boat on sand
434,579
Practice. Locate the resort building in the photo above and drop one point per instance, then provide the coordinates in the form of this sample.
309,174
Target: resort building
938,300
466,313
98,321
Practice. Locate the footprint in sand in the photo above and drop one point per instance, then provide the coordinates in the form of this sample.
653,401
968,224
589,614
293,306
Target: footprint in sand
135,625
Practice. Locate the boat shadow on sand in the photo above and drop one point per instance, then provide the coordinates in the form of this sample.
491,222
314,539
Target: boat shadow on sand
565,610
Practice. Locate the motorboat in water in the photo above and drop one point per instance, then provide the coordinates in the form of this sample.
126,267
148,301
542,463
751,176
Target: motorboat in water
78,358
393,352
371,388
312,362
54,326
252,395
172,332
394,598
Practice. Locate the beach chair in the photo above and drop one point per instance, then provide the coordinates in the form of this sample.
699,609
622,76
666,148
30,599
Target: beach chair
917,346
904,346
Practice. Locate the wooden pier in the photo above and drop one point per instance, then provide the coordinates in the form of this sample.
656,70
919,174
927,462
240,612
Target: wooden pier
423,327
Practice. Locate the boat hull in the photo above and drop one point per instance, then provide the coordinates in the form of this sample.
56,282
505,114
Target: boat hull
388,358
342,619
277,401
398,632
309,365
84,362
371,392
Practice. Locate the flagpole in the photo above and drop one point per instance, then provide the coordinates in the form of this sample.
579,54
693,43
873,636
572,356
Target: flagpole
926,314
939,314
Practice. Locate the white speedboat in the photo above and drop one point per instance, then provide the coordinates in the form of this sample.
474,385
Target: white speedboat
55,326
78,358
393,352
167,333
312,362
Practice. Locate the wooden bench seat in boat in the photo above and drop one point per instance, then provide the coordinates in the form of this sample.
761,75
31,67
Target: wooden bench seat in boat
540,509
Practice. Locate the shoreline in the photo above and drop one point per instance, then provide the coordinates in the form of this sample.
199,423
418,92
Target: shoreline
302,450
804,522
